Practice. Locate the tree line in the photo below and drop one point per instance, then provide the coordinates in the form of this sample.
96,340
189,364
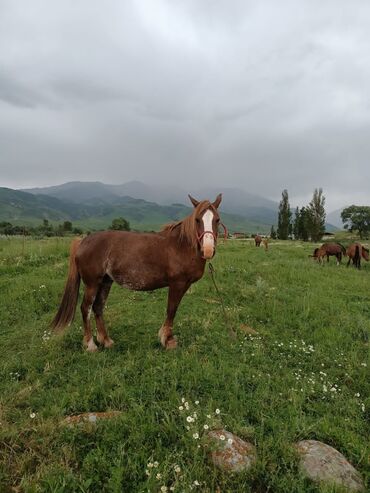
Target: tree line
308,223
48,229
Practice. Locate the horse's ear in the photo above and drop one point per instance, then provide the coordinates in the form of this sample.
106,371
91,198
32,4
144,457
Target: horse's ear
193,200
217,202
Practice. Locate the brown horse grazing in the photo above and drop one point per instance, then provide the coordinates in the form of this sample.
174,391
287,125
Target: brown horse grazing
174,257
355,251
257,240
327,250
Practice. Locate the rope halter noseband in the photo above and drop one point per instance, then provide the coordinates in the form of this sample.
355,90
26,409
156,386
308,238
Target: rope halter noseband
215,235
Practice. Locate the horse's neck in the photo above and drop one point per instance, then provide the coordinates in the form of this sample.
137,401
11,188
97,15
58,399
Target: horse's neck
182,246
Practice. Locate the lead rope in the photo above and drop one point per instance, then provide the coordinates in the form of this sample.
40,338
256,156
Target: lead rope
228,324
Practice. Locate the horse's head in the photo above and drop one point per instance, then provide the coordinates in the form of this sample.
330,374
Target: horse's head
207,221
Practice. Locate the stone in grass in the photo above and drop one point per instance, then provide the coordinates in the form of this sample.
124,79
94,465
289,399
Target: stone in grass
248,330
320,462
231,453
89,417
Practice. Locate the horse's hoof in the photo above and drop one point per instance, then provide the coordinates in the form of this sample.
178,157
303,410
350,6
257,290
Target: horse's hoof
108,342
171,343
91,347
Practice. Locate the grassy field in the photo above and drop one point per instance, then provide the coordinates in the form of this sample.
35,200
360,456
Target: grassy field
304,375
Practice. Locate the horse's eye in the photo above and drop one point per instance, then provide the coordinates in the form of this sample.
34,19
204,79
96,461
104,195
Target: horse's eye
197,220
218,220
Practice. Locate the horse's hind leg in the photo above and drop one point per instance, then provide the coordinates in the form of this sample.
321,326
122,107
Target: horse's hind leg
98,308
175,294
86,307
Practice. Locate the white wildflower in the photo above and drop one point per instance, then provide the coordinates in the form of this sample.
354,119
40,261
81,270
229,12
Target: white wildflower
158,476
156,464
33,415
164,488
217,411
177,469
206,427
222,437
230,441
195,436
181,408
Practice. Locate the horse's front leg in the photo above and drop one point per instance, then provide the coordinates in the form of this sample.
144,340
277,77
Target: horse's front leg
175,293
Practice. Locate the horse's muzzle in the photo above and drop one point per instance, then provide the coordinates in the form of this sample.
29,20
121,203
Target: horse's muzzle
208,253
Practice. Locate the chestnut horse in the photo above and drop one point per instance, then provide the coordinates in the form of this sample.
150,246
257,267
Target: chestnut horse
174,257
328,249
355,251
257,240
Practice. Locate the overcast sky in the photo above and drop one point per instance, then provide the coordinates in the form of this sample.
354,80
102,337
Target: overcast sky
262,95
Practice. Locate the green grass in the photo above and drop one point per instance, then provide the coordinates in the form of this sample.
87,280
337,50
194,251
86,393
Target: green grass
269,388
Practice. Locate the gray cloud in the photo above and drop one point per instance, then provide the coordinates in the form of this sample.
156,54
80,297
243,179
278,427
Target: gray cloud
261,95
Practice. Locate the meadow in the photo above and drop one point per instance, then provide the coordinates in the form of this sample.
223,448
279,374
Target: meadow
301,372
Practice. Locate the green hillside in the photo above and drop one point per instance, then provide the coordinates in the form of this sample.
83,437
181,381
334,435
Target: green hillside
22,208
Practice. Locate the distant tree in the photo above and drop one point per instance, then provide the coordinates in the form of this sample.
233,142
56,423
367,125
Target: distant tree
296,224
304,222
284,218
357,218
273,233
120,224
67,226
77,231
317,215
6,228
46,228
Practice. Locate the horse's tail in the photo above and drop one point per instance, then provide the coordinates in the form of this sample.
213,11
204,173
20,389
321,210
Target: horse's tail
67,308
343,249
357,257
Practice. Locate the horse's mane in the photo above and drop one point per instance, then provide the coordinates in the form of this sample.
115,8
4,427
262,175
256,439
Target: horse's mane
187,227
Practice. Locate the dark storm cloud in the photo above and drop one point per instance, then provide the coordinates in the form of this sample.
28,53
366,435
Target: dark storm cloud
262,95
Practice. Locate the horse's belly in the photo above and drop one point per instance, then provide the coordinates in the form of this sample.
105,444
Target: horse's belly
138,280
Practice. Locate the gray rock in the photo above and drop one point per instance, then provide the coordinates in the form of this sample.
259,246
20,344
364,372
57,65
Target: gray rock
320,462
231,453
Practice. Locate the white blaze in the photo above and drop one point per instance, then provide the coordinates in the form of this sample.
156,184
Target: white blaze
208,239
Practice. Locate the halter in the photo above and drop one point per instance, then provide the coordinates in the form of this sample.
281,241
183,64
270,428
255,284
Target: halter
200,237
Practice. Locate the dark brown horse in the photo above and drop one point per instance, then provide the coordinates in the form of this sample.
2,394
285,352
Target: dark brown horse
257,240
175,257
327,250
355,251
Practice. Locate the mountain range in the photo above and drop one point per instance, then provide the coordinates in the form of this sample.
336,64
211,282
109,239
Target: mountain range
93,205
